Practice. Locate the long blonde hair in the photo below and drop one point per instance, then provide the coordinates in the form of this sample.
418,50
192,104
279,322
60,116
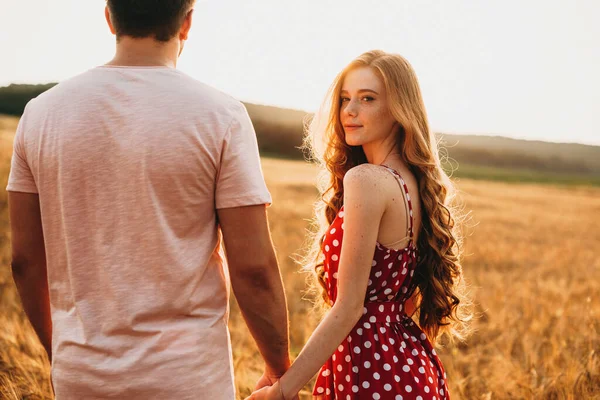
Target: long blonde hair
441,308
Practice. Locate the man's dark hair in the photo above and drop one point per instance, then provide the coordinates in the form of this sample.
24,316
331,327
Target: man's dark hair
160,19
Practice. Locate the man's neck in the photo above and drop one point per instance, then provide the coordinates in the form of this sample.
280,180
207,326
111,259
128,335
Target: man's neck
146,52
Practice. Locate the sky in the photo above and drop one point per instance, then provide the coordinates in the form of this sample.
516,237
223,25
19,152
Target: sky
519,68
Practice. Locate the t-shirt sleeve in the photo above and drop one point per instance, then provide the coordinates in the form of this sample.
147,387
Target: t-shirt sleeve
20,178
240,180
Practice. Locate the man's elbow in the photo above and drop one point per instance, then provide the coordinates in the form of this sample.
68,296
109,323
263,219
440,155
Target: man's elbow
22,266
19,267
260,276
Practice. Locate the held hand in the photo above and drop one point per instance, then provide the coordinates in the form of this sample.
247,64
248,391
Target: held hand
267,393
266,379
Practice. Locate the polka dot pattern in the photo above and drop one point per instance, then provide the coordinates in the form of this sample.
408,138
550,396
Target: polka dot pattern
386,355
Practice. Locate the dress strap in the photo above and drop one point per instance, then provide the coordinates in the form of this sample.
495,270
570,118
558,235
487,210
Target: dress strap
406,196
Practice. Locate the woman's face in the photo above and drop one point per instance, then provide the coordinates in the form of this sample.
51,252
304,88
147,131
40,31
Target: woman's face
364,111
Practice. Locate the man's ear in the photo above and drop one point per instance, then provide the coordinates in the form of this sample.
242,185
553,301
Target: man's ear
187,25
108,20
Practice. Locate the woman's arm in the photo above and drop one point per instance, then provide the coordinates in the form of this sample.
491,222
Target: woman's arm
364,205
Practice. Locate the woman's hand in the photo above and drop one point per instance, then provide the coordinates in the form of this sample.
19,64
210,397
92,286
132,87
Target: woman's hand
267,393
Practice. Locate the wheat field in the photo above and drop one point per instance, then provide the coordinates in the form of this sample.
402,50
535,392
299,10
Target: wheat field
532,259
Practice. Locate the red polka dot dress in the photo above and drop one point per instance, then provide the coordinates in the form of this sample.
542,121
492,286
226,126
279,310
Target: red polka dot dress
386,355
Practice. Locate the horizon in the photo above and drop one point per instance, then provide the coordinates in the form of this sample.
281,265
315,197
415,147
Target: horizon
521,71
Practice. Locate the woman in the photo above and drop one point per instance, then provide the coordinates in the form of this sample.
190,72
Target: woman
389,250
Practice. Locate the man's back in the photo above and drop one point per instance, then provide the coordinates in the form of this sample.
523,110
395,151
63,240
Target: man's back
130,164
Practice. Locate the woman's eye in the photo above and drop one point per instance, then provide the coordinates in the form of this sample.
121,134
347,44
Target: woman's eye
368,98
343,99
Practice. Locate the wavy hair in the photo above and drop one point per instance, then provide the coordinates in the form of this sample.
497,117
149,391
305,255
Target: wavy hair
442,303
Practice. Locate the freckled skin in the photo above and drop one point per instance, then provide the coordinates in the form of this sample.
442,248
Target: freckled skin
364,103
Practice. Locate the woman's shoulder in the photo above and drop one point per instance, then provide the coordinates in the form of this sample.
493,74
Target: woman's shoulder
368,181
367,175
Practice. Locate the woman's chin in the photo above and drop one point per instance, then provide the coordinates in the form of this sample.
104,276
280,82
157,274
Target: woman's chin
353,141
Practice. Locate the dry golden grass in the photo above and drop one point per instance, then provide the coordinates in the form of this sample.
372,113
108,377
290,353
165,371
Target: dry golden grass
533,262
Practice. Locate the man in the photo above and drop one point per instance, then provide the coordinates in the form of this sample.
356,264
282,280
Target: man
120,180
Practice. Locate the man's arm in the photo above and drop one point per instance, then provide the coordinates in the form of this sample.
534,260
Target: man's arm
256,282
29,263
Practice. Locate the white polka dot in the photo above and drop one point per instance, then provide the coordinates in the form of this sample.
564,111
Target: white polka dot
442,392
326,248
335,275
326,372
396,378
341,347
372,320
359,331
341,387
373,263
392,341
399,397
434,353
366,384
410,361
320,390
373,298
376,396
347,378
426,389
419,398
339,367
336,243
422,370
357,350
384,347
382,329
341,214
383,283
406,368
334,257
381,308
367,325
355,389
377,274
390,265
368,344
376,336
370,283
342,226
387,387
367,364
377,356
387,366
415,352
332,231
348,358
333,357
355,369
404,271
416,379
430,380
423,337
376,376
395,359
408,388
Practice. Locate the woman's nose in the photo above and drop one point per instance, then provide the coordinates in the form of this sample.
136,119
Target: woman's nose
351,108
